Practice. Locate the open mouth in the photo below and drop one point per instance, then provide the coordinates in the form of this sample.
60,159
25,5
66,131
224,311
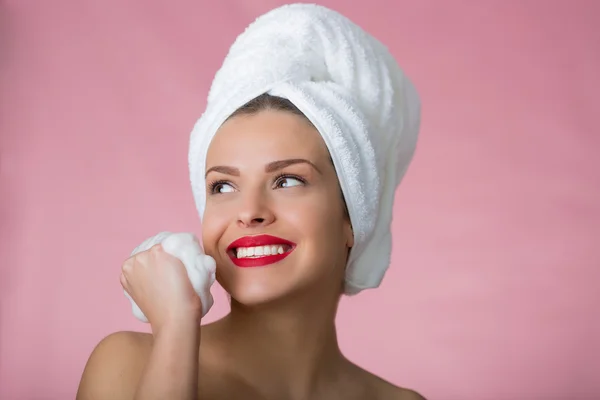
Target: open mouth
258,251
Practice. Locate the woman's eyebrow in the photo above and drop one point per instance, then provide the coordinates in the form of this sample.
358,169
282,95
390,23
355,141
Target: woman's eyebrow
224,170
270,167
277,165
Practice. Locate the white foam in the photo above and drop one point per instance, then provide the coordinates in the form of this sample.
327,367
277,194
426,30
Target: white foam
201,268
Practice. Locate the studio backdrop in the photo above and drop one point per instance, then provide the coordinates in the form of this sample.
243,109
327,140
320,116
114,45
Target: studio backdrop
493,291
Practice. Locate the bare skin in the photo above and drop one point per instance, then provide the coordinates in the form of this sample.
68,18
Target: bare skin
279,340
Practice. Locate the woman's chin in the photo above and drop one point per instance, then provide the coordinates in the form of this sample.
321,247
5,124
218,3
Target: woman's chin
254,293
260,287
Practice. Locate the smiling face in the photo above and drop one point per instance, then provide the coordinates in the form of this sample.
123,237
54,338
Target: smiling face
274,220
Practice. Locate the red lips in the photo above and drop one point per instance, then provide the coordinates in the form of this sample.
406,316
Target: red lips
257,241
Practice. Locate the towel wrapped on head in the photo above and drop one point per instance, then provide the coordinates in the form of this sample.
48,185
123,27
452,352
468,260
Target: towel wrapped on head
353,91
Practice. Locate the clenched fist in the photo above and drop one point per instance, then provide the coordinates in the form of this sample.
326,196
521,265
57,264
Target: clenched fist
168,279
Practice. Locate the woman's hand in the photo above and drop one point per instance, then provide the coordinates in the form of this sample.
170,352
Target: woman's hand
159,285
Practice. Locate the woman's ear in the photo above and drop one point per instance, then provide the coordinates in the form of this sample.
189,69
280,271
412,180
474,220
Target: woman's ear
349,233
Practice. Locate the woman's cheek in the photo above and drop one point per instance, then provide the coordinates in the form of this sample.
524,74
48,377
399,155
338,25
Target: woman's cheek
213,227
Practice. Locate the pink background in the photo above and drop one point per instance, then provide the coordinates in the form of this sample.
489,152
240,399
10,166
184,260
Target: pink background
494,286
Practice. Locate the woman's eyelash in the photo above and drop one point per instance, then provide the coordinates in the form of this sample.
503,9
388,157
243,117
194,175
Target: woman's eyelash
213,185
282,176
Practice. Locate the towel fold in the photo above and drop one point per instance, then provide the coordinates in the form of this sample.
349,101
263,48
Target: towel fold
199,266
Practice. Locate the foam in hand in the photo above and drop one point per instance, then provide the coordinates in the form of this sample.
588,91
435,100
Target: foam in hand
200,267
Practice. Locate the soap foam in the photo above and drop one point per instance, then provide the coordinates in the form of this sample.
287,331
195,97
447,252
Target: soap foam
201,268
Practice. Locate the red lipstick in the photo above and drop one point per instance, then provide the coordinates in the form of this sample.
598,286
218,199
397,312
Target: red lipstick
282,248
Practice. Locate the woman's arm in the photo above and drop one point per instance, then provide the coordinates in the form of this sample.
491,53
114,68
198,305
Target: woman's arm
129,365
160,366
172,368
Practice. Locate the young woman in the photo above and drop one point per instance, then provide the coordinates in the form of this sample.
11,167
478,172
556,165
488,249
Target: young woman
276,221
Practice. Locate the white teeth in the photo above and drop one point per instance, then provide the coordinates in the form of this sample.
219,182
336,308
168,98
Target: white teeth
241,252
259,251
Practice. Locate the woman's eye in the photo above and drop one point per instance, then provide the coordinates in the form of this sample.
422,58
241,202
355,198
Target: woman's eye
222,188
288,181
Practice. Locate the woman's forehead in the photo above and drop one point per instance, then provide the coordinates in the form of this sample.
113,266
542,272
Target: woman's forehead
267,135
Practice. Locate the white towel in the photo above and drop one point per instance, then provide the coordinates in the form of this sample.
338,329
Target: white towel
353,91
200,267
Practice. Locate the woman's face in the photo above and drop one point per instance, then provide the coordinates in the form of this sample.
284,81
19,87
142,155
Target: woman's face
274,218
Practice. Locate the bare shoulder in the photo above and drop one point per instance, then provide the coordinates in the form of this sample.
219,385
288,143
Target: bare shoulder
389,391
384,390
115,366
405,394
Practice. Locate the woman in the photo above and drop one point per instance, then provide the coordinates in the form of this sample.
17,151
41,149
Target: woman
285,219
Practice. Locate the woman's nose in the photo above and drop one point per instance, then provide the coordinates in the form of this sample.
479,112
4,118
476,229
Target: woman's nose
255,211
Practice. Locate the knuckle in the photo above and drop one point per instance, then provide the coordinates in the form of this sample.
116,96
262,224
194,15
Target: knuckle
128,264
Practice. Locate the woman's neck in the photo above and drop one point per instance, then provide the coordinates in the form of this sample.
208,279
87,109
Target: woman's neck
290,347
